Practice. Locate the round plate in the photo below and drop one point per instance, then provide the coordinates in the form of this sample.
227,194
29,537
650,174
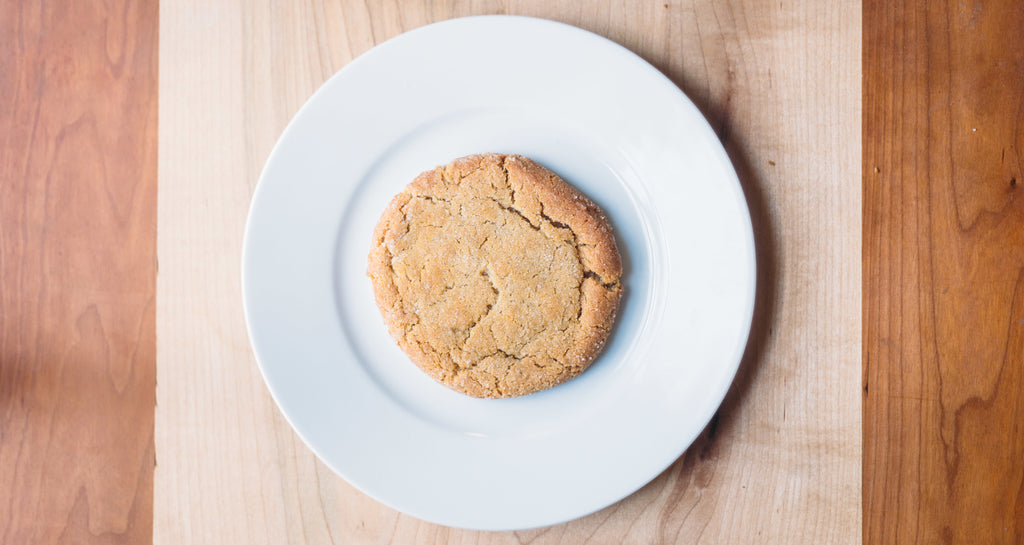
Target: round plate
605,121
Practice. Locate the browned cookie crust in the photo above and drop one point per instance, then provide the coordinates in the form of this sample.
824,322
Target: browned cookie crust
496,277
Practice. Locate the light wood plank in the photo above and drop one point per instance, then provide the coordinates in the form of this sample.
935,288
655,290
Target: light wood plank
779,82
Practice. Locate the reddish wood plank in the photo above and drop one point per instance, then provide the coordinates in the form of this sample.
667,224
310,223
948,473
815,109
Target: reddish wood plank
77,271
944,272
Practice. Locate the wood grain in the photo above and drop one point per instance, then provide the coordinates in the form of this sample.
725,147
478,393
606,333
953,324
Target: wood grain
77,271
944,272
779,82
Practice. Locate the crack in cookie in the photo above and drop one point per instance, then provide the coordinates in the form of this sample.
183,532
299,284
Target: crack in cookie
497,278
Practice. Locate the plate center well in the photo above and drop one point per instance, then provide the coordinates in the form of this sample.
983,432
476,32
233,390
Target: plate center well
598,172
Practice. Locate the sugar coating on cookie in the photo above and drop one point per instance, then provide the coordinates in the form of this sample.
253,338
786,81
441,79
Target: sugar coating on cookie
496,277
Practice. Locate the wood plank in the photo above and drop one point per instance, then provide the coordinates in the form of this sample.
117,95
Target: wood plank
944,272
77,271
780,463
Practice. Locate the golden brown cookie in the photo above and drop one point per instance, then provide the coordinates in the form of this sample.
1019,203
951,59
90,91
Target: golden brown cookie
495,276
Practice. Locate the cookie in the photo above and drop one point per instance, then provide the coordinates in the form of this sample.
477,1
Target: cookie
496,277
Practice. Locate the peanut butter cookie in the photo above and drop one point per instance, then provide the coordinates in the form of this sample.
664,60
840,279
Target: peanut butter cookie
496,277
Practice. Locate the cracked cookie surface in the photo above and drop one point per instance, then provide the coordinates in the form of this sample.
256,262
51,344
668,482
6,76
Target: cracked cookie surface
496,277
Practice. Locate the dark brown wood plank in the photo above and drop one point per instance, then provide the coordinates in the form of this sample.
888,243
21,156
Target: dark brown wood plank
944,272
77,271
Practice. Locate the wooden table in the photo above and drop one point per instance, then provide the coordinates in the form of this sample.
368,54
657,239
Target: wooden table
881,398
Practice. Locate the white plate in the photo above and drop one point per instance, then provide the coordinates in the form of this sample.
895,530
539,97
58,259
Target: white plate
608,123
